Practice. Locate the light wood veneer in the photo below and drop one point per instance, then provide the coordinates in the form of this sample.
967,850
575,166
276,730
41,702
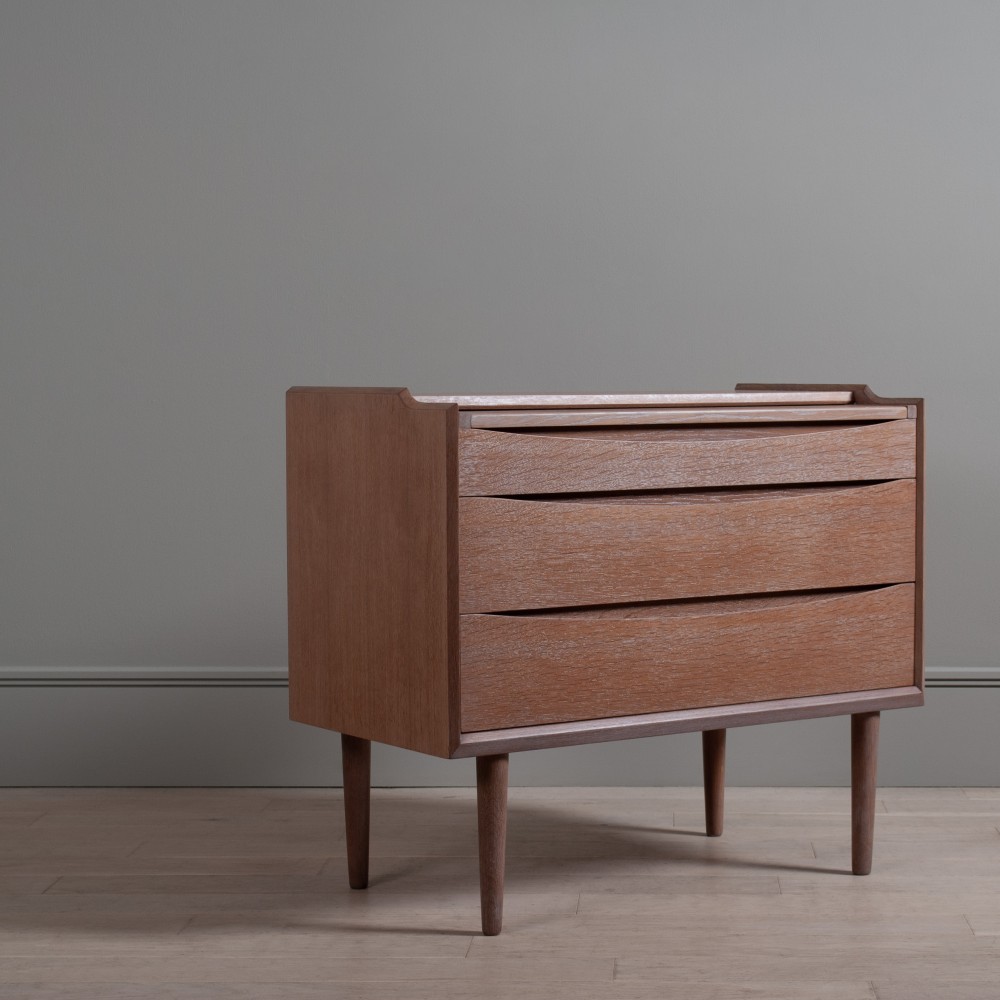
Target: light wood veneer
525,670
516,554
472,575
492,463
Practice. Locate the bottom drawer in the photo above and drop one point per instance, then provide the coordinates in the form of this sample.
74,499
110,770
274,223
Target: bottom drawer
531,669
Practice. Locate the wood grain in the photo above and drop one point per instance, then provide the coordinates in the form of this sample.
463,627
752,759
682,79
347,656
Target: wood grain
524,670
690,415
356,758
642,399
702,606
372,617
713,755
863,394
864,765
521,554
491,800
672,432
500,463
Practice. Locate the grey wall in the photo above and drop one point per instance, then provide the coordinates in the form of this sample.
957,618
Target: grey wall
200,735
202,203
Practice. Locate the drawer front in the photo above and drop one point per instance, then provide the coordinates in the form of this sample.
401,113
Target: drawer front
579,460
523,554
523,670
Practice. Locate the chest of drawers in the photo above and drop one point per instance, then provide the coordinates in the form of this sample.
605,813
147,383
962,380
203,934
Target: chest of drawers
473,576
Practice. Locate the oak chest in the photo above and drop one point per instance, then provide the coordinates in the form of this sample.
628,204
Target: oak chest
471,576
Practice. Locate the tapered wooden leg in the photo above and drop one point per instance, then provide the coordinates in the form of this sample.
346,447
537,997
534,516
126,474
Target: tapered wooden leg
491,789
357,759
713,755
864,764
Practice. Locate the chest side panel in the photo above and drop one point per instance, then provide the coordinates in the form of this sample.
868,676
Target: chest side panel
371,578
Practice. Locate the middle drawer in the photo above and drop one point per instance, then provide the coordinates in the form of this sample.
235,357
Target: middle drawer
523,554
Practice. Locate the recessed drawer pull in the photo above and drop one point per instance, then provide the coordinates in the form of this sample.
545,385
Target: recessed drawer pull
714,415
702,607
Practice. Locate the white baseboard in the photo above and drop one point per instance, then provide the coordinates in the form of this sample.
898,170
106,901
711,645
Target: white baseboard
229,726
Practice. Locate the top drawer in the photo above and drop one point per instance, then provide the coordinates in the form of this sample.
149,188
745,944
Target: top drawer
582,459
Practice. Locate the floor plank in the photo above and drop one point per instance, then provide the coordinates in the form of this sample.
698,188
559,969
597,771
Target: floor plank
241,894
279,965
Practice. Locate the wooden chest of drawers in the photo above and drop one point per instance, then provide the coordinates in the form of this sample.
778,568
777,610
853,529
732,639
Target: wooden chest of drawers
471,576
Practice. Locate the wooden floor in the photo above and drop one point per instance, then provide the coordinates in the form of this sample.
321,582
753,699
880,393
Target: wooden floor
209,893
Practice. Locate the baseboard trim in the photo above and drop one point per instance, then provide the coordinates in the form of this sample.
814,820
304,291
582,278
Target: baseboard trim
143,677
164,676
938,677
114,730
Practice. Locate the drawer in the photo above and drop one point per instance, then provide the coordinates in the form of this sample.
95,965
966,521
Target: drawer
523,554
588,459
532,669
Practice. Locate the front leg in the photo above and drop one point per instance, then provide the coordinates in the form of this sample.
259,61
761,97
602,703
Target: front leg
491,795
864,764
713,755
